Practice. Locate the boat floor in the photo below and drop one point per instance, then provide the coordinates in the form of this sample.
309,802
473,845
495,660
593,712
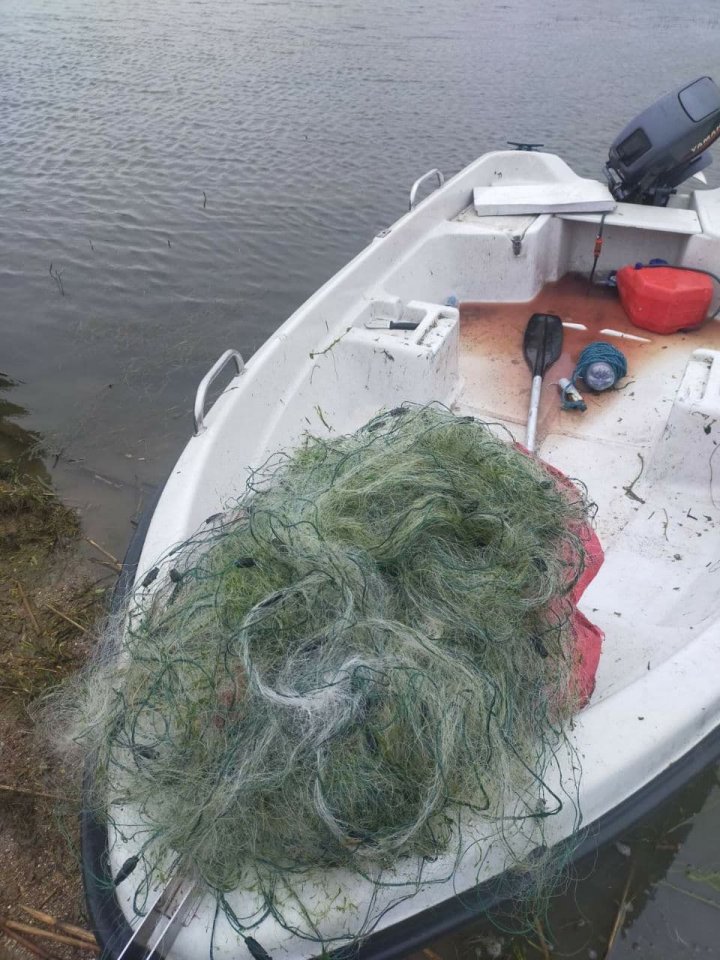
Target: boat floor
644,455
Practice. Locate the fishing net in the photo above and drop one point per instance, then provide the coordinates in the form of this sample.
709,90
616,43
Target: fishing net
377,635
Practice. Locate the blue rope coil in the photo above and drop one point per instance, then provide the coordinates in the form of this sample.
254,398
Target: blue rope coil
600,365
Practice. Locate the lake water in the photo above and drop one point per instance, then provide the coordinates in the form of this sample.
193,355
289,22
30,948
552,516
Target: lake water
176,177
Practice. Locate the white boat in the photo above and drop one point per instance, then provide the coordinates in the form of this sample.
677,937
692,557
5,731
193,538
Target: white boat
466,278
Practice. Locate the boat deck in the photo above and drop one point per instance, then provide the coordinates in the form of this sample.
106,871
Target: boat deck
644,451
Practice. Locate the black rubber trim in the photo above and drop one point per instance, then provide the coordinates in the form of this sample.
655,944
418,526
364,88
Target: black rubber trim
113,931
442,919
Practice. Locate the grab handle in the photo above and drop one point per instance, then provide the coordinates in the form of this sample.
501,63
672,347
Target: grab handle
204,385
421,180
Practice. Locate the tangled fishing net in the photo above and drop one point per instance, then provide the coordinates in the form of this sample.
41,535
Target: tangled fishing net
377,635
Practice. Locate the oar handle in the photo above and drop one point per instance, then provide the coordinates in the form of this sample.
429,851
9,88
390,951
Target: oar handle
533,413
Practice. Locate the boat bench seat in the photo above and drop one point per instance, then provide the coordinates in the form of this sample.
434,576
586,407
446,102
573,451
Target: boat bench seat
658,219
707,206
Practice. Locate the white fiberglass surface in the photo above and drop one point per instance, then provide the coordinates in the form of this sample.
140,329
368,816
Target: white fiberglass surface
644,452
657,522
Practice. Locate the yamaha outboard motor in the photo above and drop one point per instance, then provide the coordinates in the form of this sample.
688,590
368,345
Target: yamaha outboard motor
665,144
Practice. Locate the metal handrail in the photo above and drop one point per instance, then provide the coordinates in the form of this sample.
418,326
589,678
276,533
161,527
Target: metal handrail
419,182
204,385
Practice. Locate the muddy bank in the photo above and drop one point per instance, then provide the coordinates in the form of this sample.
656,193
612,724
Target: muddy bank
52,594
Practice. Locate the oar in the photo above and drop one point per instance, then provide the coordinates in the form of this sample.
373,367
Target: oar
542,346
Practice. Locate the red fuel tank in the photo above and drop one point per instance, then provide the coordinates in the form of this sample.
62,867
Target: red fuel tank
664,299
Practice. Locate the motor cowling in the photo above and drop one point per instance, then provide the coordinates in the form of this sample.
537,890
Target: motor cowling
665,144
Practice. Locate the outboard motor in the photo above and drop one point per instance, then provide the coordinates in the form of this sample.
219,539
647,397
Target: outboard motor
665,144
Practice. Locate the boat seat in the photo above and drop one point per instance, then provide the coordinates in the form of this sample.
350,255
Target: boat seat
707,206
658,219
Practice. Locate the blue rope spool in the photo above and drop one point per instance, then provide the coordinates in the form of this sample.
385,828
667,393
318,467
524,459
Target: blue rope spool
600,365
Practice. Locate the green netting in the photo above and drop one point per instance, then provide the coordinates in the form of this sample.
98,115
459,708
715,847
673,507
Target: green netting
373,638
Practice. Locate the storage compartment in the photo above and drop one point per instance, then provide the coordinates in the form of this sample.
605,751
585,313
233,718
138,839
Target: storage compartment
664,299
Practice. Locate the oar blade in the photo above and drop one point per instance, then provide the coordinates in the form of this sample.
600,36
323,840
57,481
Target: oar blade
543,341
